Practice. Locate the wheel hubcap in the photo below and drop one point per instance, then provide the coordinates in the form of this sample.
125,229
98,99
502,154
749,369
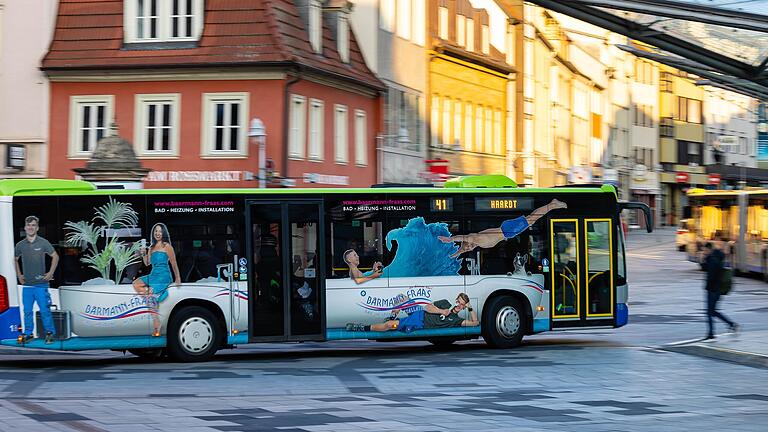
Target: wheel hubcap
508,322
196,335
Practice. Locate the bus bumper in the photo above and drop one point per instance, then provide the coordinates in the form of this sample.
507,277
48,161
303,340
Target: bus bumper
622,314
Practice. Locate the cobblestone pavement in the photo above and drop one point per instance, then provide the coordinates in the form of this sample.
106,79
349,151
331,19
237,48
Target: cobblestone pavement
617,380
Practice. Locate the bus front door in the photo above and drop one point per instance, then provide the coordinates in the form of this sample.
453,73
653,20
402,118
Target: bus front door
582,276
286,285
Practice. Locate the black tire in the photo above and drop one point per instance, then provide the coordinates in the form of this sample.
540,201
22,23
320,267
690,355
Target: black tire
504,322
193,335
442,342
765,269
148,353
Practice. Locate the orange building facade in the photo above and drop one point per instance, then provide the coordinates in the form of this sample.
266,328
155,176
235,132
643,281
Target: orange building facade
187,104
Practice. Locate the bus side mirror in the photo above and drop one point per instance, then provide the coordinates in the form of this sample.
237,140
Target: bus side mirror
639,206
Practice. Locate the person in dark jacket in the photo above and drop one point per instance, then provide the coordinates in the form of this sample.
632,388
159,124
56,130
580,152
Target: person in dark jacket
713,264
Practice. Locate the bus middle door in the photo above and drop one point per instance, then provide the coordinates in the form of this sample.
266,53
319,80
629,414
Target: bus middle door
286,282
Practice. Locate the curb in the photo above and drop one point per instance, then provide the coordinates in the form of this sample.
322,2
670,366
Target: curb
722,354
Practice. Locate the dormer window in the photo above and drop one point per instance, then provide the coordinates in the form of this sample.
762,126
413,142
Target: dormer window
486,39
316,25
342,37
163,20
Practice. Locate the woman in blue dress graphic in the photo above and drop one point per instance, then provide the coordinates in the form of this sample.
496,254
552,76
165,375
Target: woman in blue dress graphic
509,228
156,283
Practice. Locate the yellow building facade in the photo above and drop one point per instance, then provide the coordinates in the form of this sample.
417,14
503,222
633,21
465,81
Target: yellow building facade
470,89
682,141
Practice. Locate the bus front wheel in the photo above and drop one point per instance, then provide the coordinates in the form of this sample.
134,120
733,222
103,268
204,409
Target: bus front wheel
193,335
504,323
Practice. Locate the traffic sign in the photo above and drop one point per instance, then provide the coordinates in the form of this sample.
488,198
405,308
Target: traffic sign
682,177
714,179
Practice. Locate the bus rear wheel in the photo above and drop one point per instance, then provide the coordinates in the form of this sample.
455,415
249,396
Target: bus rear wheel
193,335
504,323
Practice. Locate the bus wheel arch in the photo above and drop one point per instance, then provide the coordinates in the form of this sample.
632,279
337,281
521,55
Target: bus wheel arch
503,307
195,315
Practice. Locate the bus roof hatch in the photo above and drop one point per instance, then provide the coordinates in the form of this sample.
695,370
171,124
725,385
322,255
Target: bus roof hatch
482,181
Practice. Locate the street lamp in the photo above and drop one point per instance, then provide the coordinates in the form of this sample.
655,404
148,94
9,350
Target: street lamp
258,133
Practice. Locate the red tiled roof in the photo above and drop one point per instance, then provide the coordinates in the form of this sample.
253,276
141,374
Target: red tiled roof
89,35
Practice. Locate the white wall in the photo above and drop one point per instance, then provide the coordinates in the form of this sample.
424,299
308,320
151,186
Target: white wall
26,27
730,114
365,18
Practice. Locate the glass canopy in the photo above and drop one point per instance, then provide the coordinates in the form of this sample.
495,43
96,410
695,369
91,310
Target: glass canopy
727,39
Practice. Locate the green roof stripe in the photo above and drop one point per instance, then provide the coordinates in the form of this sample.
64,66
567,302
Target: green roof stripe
45,187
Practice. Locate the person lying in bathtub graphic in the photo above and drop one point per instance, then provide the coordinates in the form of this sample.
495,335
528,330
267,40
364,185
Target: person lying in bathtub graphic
439,314
509,228
353,261
162,258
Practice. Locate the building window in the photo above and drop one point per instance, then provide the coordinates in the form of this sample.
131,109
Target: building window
468,127
643,115
488,143
461,30
497,132
224,124
446,126
689,152
665,82
404,18
343,37
667,127
643,72
316,123
470,34
387,15
163,20
434,121
361,133
315,26
442,22
419,27
688,110
340,134
89,118
486,39
298,127
478,129
457,121
157,125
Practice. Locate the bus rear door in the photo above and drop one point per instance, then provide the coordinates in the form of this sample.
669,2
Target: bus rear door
582,278
286,280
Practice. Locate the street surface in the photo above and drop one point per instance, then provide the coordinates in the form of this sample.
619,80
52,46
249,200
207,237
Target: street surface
605,380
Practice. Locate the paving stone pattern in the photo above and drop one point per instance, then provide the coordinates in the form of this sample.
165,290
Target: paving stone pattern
603,380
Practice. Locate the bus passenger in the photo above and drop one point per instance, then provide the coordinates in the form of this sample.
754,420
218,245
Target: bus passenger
439,314
35,280
510,228
353,261
156,283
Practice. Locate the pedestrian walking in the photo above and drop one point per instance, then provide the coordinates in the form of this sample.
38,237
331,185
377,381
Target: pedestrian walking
714,265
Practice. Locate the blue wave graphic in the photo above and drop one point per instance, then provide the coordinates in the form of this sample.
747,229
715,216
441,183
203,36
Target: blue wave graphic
420,252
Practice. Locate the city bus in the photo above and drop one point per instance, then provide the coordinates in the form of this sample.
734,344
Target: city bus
479,257
735,219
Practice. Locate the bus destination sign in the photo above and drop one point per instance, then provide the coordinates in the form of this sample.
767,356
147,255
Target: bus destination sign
503,203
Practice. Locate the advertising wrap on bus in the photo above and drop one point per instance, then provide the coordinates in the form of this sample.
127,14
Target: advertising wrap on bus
189,272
